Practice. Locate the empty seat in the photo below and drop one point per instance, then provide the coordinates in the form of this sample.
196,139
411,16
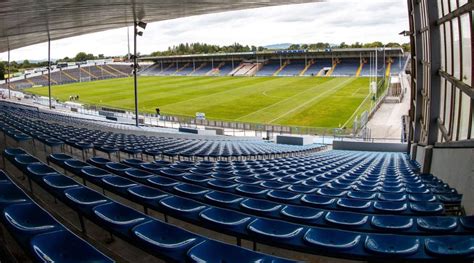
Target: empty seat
260,207
390,206
226,219
216,252
353,204
273,229
145,195
301,213
176,204
26,220
58,183
283,196
317,200
346,219
392,245
332,239
118,217
117,184
427,207
437,223
164,240
63,246
450,246
84,199
222,198
11,194
391,222
190,190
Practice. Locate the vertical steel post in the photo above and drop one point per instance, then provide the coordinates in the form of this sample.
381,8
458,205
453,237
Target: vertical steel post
49,72
135,67
8,75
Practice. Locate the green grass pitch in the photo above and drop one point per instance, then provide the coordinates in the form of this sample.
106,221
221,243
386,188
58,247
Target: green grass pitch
292,101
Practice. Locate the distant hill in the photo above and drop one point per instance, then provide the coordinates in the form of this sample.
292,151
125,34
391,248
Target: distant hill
278,46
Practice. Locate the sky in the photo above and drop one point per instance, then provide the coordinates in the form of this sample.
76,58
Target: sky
334,21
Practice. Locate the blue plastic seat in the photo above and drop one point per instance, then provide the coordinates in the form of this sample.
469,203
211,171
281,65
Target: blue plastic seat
84,199
331,192
63,246
138,174
26,220
317,200
10,153
354,204
226,219
179,205
301,189
422,197
117,168
11,194
151,167
190,190
392,245
260,207
426,207
271,230
250,190
172,172
94,174
467,222
390,206
38,170
165,240
437,223
162,182
118,217
223,198
332,239
216,252
23,160
117,184
98,161
392,197
75,166
362,195
391,222
301,213
221,184
58,183
145,195
133,162
346,219
58,158
450,246
196,179
283,196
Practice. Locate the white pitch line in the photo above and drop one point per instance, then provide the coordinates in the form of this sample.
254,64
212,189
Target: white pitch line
341,85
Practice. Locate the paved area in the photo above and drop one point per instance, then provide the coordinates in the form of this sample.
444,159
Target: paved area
386,122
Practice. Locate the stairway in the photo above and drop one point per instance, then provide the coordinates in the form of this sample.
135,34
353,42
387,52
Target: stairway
183,67
281,68
359,70
389,68
52,80
329,73
311,62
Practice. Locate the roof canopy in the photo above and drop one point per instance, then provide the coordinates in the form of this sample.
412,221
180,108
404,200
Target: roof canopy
28,22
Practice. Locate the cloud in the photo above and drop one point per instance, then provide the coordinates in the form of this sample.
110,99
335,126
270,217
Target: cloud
333,21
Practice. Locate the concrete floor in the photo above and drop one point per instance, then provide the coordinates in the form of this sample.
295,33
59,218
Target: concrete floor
387,121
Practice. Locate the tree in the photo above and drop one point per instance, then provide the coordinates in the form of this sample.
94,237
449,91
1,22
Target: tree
82,56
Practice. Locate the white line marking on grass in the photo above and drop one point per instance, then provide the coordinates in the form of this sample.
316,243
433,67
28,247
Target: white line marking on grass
281,101
355,112
339,86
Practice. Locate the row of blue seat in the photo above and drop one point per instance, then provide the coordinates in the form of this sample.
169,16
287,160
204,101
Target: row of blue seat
113,143
39,233
161,239
317,240
142,181
322,185
320,198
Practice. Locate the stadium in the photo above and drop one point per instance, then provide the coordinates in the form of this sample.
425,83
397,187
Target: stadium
301,153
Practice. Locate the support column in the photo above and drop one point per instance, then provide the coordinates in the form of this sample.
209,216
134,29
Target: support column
49,72
135,67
